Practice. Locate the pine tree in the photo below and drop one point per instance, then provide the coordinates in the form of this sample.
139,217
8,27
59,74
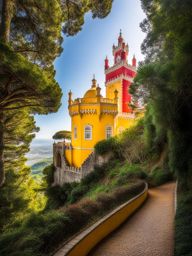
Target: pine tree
30,40
30,34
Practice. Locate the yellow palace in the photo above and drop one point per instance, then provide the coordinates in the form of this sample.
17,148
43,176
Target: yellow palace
94,117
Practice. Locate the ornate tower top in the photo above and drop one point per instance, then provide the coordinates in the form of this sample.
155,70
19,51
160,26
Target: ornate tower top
120,75
120,52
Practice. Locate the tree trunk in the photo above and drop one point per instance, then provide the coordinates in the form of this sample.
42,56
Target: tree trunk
2,172
7,11
6,16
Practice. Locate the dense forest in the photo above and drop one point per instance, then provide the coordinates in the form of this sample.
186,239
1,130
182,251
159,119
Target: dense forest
31,35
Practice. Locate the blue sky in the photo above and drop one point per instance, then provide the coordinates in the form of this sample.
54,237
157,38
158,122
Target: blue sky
84,55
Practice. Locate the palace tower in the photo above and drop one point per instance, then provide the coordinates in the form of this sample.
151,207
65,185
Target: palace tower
94,117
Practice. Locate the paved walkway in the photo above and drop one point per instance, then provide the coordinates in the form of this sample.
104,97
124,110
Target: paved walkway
147,233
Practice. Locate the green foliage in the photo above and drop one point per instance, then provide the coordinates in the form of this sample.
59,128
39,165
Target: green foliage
74,12
95,176
159,177
48,173
130,172
107,146
132,146
41,233
58,196
166,77
62,135
127,146
183,225
78,193
18,197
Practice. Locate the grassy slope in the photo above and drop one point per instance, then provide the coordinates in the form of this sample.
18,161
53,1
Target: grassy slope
73,206
96,195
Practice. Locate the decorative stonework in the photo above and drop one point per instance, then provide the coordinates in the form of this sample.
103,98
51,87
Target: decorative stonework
67,174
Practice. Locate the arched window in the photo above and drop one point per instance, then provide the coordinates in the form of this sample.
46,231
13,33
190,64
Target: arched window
108,132
75,132
58,160
88,132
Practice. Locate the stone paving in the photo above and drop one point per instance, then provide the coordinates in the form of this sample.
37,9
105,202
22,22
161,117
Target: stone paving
149,232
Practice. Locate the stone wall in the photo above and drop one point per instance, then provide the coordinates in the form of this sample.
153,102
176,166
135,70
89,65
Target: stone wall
67,174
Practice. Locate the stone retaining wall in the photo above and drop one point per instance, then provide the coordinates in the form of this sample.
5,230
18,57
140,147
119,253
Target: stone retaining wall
67,174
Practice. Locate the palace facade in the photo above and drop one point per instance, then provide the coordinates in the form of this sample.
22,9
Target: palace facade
94,117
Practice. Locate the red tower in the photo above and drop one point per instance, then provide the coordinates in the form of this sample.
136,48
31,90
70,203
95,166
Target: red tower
120,76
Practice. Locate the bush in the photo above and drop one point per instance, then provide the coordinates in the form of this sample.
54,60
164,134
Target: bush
77,216
159,177
106,202
41,233
95,176
77,193
127,192
48,173
59,196
90,207
130,172
183,224
110,145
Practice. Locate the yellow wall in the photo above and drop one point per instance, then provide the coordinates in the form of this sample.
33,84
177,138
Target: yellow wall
110,88
103,228
82,148
98,119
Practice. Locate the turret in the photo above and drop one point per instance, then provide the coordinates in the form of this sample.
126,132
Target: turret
106,63
120,38
134,61
94,82
70,97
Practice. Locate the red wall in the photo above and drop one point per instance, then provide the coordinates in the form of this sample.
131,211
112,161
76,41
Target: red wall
123,70
126,97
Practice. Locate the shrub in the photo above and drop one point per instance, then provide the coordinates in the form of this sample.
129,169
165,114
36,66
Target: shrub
95,176
89,206
77,216
41,233
159,177
48,173
130,172
183,224
77,193
110,145
106,201
127,192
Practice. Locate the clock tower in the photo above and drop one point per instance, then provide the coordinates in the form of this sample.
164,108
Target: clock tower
120,75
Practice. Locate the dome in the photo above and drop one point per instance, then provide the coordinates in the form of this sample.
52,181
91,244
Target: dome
91,93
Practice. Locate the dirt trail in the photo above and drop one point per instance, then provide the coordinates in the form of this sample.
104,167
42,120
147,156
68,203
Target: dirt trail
149,232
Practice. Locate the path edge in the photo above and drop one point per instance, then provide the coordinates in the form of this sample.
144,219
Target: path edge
84,242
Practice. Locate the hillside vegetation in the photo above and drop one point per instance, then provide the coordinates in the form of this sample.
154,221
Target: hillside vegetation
73,206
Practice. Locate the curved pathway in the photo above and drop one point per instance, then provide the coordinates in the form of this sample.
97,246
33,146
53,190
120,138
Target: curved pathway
149,232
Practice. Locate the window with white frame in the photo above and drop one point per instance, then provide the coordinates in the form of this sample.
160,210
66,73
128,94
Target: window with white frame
108,132
88,132
75,132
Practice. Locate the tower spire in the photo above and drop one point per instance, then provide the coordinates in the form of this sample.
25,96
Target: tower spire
94,82
120,38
